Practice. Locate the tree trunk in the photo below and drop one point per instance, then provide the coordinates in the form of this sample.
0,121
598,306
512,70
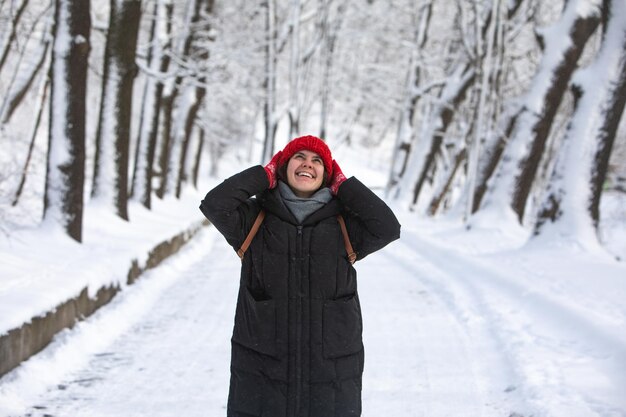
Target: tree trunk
191,117
158,63
440,196
110,180
491,150
486,86
329,35
166,108
269,106
13,100
63,199
571,204
531,126
6,46
451,97
202,55
405,131
33,136
198,158
173,135
169,91
294,72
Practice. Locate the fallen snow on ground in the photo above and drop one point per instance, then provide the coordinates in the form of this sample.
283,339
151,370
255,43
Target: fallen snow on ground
457,323
41,268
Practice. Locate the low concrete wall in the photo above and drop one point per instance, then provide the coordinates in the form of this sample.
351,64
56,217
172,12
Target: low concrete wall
21,343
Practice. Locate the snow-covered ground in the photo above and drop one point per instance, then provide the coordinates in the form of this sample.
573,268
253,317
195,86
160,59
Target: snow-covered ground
457,322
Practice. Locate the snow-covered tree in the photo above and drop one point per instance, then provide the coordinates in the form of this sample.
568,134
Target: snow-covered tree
180,97
197,54
570,207
110,180
63,199
406,121
529,127
157,63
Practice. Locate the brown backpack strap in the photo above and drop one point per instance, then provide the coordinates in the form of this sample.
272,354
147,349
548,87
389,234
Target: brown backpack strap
346,239
259,219
255,228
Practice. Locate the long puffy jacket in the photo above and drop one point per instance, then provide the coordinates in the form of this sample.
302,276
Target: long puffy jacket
297,348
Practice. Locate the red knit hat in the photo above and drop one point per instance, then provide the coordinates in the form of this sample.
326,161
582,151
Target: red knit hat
309,143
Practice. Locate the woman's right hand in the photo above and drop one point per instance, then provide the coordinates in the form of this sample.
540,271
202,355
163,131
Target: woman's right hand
271,167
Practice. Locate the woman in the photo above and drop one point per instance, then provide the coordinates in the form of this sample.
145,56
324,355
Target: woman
296,345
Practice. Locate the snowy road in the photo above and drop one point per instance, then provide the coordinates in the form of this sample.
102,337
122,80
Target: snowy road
161,348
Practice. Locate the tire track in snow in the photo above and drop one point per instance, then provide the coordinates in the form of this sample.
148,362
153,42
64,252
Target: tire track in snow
420,359
537,334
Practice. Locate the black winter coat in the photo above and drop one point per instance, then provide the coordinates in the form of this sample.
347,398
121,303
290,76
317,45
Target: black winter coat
296,347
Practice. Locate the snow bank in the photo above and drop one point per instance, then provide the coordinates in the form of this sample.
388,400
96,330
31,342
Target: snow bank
41,268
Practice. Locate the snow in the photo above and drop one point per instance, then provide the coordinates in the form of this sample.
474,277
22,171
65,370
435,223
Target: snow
42,267
457,322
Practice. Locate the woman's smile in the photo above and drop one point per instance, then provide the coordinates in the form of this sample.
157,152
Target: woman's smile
305,173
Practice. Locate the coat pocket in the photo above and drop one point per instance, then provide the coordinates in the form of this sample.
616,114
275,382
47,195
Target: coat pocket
255,324
342,327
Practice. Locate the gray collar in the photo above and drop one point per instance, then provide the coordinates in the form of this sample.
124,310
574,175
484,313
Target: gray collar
301,207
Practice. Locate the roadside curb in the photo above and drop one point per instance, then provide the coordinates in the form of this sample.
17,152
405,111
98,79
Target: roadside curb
21,343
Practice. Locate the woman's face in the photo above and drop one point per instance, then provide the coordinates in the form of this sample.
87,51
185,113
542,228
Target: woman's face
305,173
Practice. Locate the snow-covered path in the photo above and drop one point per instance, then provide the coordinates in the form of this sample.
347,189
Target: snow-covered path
444,336
173,357
421,360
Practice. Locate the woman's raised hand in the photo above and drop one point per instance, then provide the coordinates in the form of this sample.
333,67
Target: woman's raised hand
271,167
337,179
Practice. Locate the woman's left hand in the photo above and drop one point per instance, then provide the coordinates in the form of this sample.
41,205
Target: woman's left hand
337,179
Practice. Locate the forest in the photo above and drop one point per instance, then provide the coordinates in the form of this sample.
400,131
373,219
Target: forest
484,110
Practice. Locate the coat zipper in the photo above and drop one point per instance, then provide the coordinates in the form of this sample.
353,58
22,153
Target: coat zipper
298,319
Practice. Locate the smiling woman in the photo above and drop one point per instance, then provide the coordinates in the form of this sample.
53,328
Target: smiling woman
297,348
305,173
